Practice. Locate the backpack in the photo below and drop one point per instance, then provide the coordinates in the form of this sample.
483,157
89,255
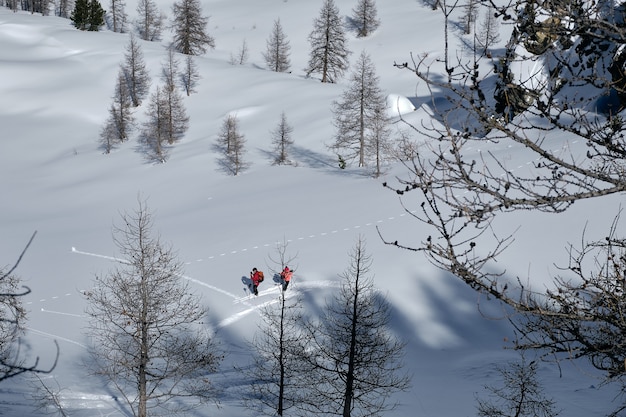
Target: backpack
261,277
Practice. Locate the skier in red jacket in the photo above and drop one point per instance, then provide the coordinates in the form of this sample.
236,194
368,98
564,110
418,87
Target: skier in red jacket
286,277
257,277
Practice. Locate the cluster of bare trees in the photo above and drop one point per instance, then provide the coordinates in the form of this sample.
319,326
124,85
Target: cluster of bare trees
346,362
148,339
573,97
231,144
166,120
361,119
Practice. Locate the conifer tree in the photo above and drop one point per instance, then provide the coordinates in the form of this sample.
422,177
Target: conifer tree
231,144
149,24
119,123
277,366
64,8
277,361
489,30
169,70
520,394
359,114
380,148
365,17
88,15
80,14
176,121
146,325
278,50
167,122
189,25
135,71
329,53
96,16
117,17
469,16
242,55
282,141
189,76
154,131
356,362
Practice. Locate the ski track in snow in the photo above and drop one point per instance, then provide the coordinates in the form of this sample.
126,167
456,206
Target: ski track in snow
245,300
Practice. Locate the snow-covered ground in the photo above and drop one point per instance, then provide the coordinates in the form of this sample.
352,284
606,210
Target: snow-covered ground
56,85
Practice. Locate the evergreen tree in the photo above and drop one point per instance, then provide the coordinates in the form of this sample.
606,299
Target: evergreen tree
135,71
149,24
365,17
96,16
190,33
231,144
189,76
278,50
80,14
329,54
282,140
359,113
88,15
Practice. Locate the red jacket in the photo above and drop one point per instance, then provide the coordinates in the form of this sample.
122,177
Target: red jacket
256,277
286,274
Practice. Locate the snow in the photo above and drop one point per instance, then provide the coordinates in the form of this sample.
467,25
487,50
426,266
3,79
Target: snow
55,88
398,105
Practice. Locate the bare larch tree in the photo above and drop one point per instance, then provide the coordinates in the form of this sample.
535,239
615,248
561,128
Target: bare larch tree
146,325
329,52
231,144
189,76
189,26
135,71
356,359
362,104
282,141
120,121
149,23
365,17
278,49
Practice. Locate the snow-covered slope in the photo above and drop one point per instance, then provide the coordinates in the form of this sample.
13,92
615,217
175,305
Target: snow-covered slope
56,84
